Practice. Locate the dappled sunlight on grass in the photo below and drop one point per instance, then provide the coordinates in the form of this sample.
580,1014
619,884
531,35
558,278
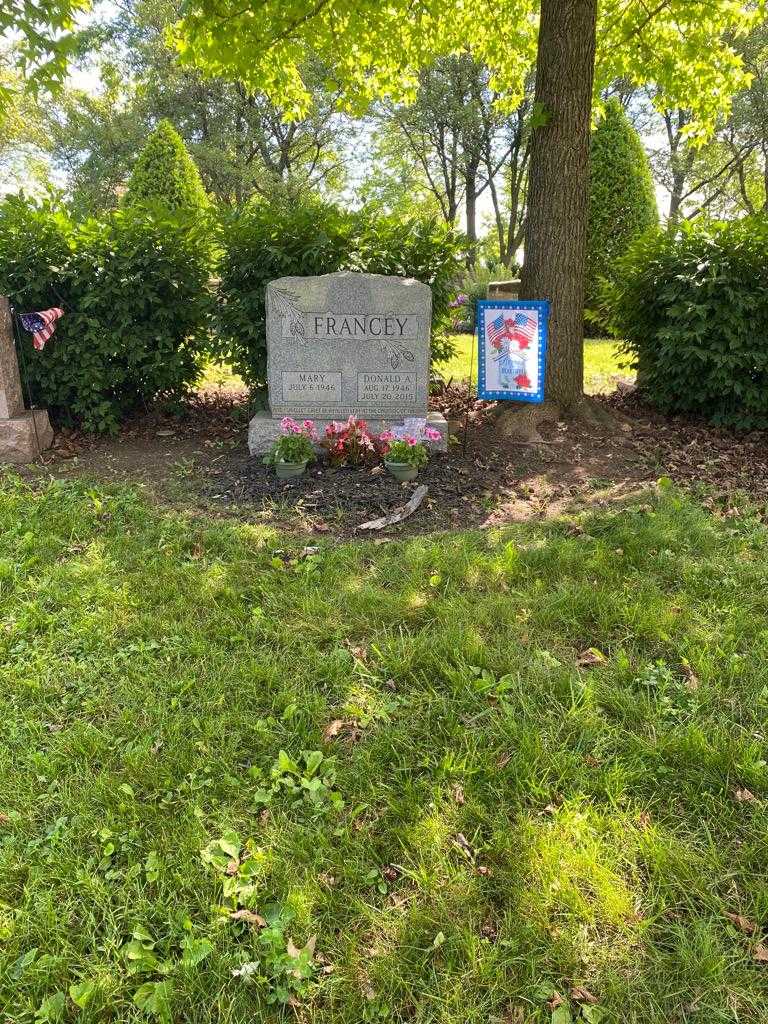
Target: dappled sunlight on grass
488,822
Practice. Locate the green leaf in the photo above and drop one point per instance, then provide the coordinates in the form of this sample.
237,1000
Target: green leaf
52,1008
195,951
154,999
562,1014
593,1014
23,962
81,994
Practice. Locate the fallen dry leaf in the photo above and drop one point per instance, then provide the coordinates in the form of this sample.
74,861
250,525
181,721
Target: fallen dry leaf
232,867
343,728
457,792
293,951
555,1000
579,994
744,796
742,923
464,844
691,679
249,917
644,820
4,819
760,953
391,873
333,729
591,657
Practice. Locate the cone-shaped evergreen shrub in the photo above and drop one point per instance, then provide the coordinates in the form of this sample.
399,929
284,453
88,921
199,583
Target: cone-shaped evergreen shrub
622,200
164,172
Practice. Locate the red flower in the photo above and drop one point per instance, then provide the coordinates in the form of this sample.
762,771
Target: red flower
522,381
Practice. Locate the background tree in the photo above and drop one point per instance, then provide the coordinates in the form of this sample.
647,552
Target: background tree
242,143
43,40
164,172
459,144
679,45
22,138
622,200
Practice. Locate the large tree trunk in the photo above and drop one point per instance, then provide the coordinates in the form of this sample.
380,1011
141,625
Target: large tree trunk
556,224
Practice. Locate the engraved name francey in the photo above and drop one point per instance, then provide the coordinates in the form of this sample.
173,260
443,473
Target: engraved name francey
387,330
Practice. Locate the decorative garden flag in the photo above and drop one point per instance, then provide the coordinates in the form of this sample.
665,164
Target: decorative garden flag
512,335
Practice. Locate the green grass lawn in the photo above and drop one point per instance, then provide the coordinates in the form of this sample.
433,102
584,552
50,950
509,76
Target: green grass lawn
601,363
240,781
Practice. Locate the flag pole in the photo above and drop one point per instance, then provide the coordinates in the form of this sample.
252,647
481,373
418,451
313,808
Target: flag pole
20,349
475,341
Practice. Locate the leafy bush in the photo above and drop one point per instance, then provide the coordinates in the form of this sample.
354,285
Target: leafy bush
262,242
622,200
133,288
693,310
165,173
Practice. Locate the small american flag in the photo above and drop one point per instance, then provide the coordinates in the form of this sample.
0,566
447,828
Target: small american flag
523,328
495,331
41,325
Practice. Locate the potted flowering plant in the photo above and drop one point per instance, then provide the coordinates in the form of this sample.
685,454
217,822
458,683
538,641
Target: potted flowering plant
349,443
293,450
405,455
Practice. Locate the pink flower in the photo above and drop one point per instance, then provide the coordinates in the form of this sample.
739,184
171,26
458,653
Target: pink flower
411,441
309,425
386,435
288,426
431,434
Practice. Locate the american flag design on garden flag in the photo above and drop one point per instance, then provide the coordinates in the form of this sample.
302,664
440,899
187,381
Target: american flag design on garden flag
496,331
520,329
525,329
41,325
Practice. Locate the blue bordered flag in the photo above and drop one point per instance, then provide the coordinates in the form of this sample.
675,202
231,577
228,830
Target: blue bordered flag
512,339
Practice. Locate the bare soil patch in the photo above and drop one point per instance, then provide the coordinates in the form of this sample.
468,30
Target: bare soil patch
198,459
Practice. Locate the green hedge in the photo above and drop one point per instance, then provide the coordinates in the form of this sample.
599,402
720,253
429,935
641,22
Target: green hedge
138,310
265,241
137,306
693,310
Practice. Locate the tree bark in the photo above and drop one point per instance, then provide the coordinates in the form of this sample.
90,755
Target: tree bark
558,179
470,209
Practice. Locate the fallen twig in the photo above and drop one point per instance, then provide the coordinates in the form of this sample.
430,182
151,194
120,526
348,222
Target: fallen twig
399,514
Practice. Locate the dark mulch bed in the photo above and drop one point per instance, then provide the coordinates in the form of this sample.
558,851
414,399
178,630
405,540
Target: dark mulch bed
200,460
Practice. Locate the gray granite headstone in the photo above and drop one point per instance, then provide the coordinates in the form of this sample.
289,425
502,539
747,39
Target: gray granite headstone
344,345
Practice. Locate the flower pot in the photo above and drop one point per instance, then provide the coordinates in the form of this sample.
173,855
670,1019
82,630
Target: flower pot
402,470
289,470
